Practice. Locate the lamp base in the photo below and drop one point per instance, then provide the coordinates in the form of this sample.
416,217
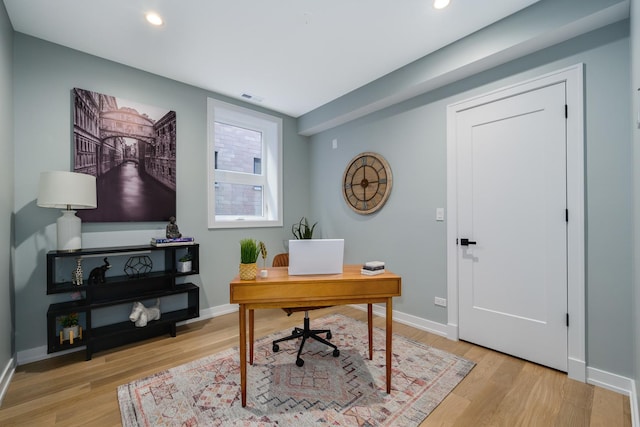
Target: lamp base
69,228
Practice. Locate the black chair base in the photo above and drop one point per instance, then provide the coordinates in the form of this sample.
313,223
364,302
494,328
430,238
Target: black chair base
305,333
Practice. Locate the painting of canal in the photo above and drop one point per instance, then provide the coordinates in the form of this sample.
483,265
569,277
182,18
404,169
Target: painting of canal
131,150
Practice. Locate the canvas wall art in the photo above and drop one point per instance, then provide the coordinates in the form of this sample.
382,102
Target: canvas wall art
131,150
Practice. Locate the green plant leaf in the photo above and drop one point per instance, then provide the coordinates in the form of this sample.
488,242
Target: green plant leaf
301,230
69,320
249,251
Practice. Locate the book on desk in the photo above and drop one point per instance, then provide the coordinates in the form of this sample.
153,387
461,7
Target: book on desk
372,268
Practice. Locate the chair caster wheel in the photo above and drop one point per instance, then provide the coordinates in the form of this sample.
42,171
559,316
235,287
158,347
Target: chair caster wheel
275,348
299,362
336,353
329,335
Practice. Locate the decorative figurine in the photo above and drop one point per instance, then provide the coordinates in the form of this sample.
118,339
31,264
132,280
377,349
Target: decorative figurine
263,251
76,276
172,229
138,266
97,274
141,314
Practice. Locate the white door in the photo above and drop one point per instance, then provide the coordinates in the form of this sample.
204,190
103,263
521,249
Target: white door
512,202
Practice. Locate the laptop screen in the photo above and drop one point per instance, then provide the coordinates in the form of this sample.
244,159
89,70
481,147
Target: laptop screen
316,256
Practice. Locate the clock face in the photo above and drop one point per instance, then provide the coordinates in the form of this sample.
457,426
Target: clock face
366,183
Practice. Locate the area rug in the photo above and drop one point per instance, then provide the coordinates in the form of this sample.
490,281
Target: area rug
349,390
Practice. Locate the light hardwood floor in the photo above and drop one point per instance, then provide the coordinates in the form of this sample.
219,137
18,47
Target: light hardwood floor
499,391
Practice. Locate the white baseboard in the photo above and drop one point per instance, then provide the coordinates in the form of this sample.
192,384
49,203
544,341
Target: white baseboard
619,384
409,320
613,382
40,353
633,400
33,355
5,378
210,313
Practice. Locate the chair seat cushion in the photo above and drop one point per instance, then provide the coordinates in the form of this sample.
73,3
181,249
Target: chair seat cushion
291,310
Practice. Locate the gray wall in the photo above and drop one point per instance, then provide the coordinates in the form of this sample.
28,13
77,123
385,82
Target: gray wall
6,187
412,137
45,73
635,84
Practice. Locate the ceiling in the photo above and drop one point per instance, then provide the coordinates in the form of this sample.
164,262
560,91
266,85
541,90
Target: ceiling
292,56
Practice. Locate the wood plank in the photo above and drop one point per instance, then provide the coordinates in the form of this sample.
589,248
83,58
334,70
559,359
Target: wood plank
441,416
527,403
602,401
576,404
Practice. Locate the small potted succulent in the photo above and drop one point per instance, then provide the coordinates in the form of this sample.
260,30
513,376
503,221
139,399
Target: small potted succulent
70,327
249,251
185,263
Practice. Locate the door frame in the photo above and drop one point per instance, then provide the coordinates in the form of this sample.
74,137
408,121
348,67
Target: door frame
573,79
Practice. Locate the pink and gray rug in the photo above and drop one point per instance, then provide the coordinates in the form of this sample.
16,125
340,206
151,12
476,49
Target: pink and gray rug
349,390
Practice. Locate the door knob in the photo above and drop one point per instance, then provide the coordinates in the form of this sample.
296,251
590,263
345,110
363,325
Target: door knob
466,242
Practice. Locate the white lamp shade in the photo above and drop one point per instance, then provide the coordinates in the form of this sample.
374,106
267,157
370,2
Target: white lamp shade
67,190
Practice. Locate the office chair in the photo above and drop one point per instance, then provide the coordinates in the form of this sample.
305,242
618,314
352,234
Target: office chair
282,260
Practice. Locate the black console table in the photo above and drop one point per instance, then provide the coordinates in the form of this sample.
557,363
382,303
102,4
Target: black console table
137,273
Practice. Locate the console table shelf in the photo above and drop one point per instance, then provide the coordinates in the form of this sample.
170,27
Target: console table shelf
157,281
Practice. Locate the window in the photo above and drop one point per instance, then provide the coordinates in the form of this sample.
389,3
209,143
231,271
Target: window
244,167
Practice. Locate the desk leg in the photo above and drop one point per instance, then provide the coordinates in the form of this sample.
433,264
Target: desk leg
388,344
243,354
251,337
370,323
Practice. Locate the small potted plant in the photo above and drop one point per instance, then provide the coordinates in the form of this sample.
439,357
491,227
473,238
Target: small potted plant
249,252
184,263
70,327
301,230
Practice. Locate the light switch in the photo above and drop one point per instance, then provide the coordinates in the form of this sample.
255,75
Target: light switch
440,214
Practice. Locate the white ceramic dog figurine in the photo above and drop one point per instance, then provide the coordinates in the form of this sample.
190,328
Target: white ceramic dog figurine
141,314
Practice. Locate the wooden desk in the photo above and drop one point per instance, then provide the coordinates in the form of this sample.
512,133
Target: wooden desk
281,290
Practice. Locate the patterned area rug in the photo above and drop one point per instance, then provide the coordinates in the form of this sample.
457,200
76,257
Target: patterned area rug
349,390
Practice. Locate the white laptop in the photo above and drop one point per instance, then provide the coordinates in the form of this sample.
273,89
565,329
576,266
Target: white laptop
315,256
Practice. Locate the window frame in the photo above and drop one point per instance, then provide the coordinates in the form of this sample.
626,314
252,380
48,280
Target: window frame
271,164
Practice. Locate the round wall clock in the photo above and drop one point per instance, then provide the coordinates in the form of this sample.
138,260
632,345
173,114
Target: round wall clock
366,183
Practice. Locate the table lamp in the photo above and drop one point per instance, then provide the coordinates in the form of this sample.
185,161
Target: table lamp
67,191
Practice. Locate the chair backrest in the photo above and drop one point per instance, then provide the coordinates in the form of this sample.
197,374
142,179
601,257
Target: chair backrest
281,260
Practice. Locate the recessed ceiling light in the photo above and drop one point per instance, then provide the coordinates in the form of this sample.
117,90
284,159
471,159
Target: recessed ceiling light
440,4
154,19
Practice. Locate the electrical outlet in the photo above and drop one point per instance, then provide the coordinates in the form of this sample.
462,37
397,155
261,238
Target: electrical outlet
442,302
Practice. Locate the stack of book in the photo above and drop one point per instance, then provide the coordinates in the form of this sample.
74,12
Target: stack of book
371,268
178,241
